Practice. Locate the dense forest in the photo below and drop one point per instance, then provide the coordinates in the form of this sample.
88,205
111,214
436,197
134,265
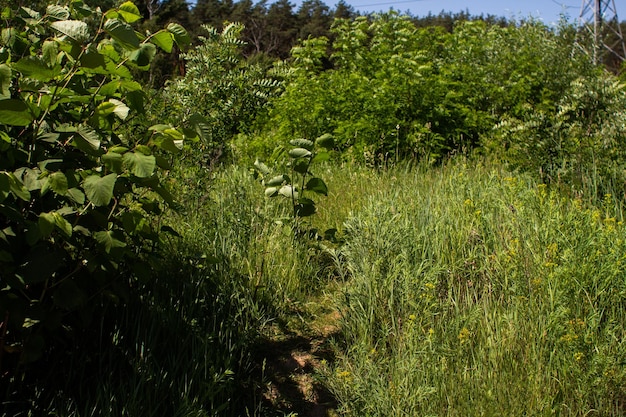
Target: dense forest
253,209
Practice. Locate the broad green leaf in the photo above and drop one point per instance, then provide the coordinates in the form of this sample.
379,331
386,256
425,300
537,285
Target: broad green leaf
94,61
87,140
123,33
181,37
50,52
174,133
261,167
5,82
30,178
112,106
110,88
81,8
302,143
15,113
201,125
301,166
57,182
129,85
58,12
62,224
168,143
190,135
164,40
121,110
288,191
99,190
118,149
76,195
113,162
30,13
129,12
326,141
75,29
143,55
140,165
17,188
105,108
278,180
159,128
5,185
143,149
299,153
109,240
271,191
305,207
317,185
321,156
135,222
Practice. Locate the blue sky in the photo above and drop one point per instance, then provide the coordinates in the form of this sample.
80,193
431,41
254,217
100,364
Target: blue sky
546,10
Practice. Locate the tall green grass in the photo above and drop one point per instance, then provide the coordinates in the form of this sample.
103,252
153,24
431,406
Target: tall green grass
463,290
476,292
182,343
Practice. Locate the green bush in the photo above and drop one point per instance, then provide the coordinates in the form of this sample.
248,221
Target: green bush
388,91
580,144
221,92
80,204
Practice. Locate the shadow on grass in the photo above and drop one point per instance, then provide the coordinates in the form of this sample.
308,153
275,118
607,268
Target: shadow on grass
288,365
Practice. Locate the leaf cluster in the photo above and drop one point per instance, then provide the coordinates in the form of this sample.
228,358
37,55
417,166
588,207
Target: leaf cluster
222,93
298,186
79,202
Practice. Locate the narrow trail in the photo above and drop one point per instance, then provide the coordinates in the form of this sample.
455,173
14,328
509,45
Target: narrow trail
289,359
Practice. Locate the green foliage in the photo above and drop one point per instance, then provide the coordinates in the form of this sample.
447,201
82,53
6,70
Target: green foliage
366,98
221,91
388,90
582,140
79,202
302,182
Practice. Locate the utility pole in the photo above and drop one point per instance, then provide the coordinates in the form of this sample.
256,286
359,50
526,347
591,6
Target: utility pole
599,19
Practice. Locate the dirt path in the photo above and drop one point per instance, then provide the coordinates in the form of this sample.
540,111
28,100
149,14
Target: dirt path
289,359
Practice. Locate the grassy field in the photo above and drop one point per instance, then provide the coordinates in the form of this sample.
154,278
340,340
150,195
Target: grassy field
473,291
461,290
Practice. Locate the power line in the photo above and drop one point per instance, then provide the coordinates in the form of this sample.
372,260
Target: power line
388,3
563,5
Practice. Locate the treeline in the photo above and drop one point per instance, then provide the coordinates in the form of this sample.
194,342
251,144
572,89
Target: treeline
270,29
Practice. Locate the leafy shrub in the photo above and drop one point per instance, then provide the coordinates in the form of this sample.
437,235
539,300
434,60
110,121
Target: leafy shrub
301,184
80,204
222,87
582,140
387,90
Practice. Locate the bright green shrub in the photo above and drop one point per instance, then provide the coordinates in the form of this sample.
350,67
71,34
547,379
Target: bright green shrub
79,202
388,90
582,140
221,87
